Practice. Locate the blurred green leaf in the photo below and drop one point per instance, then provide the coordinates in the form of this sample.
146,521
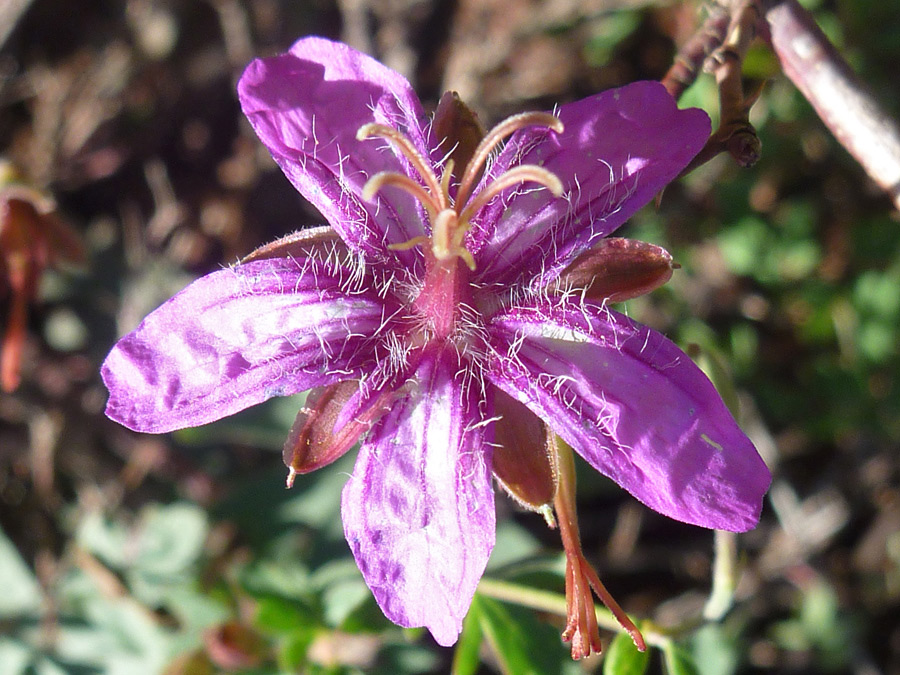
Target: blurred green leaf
277,616
22,593
513,543
606,32
104,538
715,650
15,657
623,658
678,660
522,644
292,652
466,657
401,658
341,598
171,538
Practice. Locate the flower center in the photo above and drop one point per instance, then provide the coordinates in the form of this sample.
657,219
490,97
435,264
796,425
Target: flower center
450,217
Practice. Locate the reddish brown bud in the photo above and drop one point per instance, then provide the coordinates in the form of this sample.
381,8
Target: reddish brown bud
523,462
32,238
313,242
457,128
233,646
316,440
619,269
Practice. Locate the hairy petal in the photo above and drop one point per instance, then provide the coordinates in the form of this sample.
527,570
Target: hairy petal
237,337
619,148
635,407
419,509
306,107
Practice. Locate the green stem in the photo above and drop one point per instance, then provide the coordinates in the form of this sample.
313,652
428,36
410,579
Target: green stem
554,603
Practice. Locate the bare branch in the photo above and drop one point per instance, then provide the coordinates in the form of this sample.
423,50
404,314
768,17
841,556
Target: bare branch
841,100
735,134
690,58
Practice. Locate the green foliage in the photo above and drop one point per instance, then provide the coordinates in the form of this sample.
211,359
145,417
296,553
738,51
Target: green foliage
678,660
521,643
819,626
623,658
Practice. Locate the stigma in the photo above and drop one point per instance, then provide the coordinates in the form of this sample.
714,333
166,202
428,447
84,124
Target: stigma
450,216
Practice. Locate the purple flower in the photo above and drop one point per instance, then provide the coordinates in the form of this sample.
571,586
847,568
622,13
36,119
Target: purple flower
452,305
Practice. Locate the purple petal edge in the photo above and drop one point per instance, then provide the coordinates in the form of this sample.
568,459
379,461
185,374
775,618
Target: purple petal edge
418,511
619,148
237,337
635,407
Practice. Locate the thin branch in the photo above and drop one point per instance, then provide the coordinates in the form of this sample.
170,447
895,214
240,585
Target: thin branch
841,100
735,134
693,54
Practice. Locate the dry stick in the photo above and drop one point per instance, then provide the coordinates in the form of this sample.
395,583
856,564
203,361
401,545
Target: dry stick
826,80
735,134
690,58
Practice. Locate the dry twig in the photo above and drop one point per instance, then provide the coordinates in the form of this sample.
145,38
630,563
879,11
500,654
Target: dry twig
841,100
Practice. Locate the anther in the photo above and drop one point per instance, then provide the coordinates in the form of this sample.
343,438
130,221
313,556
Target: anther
494,137
516,175
419,163
379,180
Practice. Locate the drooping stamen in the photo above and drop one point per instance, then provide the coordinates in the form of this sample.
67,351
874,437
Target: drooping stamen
419,163
493,138
581,626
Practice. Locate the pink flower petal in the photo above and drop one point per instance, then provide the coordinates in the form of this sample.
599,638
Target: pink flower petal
237,337
419,509
635,407
619,148
306,107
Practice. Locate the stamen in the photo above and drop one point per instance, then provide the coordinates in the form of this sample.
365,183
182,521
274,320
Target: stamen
447,177
446,239
516,175
420,164
581,625
409,243
379,180
494,137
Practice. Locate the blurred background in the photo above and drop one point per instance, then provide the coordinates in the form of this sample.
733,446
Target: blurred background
183,553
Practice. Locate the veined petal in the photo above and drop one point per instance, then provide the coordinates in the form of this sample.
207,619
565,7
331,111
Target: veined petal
306,107
635,407
239,336
618,149
419,509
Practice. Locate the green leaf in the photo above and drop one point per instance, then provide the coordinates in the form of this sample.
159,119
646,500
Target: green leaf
277,616
15,657
514,543
523,645
21,594
292,653
623,658
465,657
104,538
678,660
715,650
171,538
